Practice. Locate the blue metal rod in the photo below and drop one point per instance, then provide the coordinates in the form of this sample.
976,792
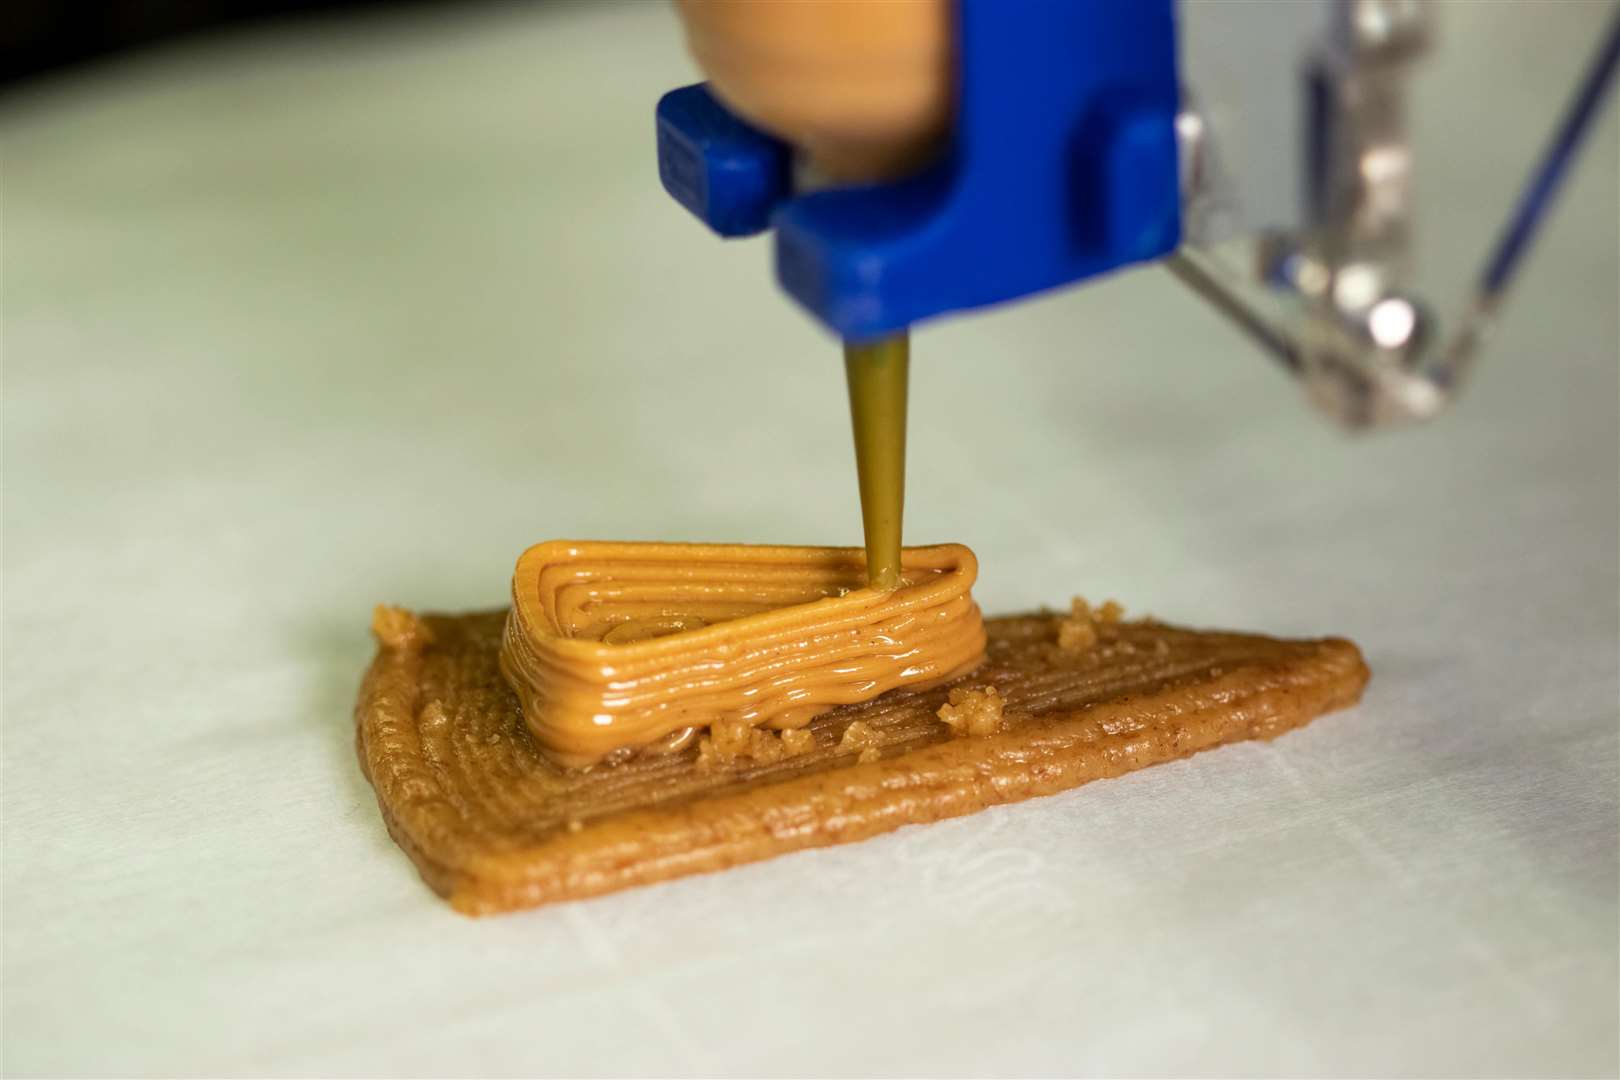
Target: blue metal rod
1538,194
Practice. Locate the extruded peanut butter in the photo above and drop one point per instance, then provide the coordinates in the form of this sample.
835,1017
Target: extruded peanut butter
493,823
614,648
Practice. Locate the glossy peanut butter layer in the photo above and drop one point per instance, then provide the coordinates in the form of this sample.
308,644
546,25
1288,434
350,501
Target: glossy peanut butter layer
614,648
494,824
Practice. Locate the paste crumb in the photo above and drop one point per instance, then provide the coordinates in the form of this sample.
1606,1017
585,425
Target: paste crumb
1077,631
797,741
396,628
860,737
732,740
708,757
973,711
765,747
1076,635
730,736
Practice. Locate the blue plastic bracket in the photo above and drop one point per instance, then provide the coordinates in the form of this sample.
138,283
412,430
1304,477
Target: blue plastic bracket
1062,166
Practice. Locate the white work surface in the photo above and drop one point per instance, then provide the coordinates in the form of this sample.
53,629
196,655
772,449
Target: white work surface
312,317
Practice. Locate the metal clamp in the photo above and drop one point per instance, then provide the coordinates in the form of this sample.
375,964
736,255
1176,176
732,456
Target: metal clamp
1330,300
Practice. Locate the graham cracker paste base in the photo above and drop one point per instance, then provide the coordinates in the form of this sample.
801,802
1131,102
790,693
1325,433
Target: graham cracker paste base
493,825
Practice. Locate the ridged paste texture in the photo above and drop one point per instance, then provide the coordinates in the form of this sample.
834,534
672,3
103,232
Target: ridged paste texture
614,648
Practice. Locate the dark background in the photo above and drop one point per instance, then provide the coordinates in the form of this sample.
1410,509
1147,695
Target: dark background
41,36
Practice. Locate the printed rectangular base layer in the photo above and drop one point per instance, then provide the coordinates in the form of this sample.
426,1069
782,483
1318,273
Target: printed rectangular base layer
493,825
